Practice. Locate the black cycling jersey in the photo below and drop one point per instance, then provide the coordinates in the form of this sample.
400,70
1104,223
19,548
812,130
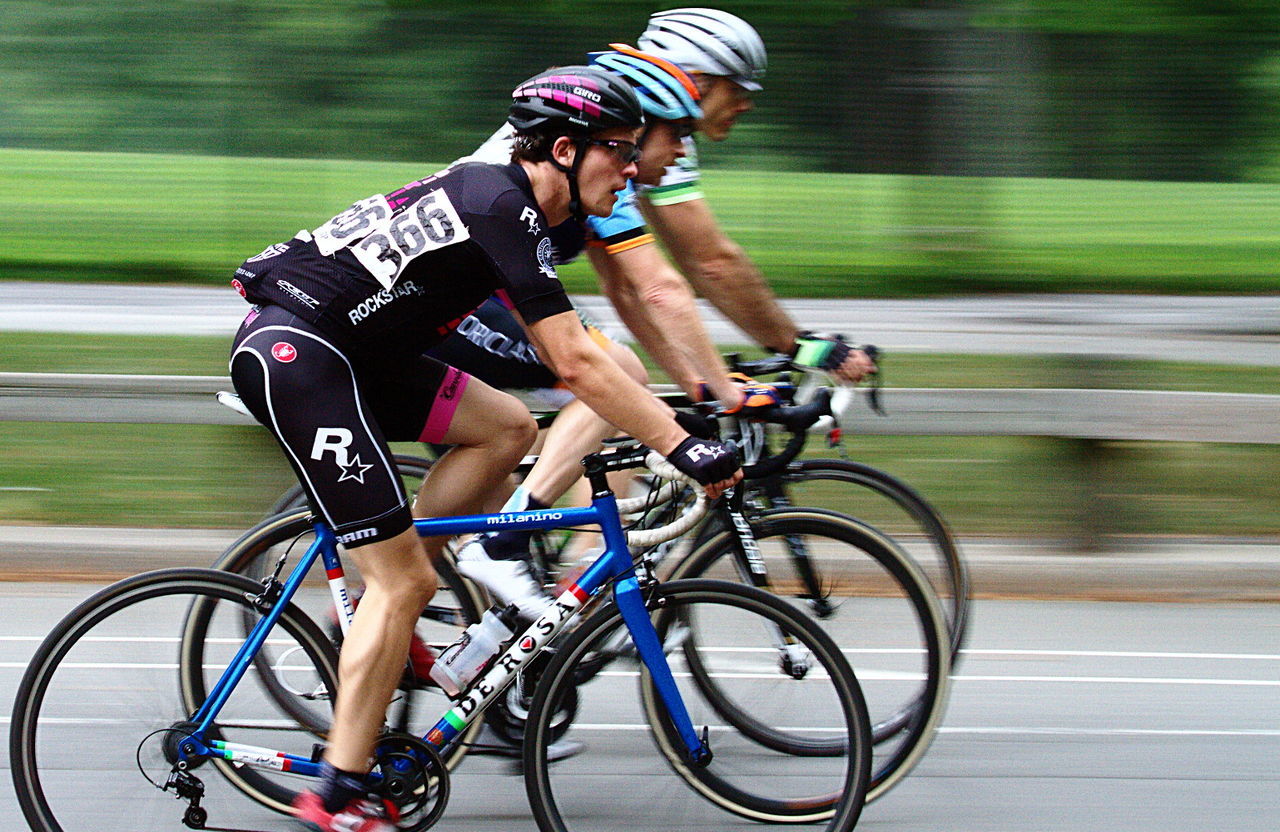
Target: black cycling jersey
397,273
333,361
491,345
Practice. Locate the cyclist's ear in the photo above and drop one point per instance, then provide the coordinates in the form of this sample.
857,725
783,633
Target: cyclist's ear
563,150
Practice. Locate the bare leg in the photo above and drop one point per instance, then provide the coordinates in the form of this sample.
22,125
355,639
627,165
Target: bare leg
399,581
500,561
491,431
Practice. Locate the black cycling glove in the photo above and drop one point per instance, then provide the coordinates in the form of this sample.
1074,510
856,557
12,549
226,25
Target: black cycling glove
706,460
820,350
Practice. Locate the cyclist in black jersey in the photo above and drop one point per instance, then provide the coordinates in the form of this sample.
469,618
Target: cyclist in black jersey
330,360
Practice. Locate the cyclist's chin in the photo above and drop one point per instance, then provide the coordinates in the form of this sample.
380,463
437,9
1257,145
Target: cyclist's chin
601,206
718,131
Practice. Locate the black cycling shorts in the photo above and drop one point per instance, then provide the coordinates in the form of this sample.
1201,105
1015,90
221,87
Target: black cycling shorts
333,414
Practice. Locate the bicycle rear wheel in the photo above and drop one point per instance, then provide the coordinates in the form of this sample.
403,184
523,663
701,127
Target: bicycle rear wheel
111,690
734,627
883,614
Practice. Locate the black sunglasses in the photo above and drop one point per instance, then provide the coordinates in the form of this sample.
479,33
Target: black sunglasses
627,152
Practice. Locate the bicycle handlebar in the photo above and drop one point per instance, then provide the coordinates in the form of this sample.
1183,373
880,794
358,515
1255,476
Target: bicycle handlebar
774,364
797,419
644,538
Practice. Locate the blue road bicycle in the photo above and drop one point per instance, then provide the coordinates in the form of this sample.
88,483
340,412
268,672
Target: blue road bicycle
128,714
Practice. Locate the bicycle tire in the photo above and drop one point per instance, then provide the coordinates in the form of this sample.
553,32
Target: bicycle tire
903,735
115,611
409,465
951,575
729,782
458,603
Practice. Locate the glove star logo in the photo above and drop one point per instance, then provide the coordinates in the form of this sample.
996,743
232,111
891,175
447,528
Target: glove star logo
700,450
284,352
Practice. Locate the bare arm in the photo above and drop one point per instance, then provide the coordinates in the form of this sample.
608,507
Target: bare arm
621,400
657,305
601,384
721,271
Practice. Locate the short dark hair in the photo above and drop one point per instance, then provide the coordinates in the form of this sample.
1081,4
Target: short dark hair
534,145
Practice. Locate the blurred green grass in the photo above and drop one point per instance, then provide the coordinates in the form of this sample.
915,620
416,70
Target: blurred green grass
206,476
192,219
190,476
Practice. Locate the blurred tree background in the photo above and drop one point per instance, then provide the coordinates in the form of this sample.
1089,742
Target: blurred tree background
942,145
1128,89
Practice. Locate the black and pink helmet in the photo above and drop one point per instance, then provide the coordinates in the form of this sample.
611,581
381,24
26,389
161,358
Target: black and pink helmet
575,99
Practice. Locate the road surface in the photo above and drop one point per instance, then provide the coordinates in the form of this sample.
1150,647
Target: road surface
1229,330
1070,716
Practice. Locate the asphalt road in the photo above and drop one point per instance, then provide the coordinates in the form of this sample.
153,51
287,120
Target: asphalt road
1065,715
1232,330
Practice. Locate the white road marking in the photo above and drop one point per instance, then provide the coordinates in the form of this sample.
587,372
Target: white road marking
946,729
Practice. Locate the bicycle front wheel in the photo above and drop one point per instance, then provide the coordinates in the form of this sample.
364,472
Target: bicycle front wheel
110,693
735,628
891,506
878,606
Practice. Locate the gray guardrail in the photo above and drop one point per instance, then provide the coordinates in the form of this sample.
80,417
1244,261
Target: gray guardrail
1083,413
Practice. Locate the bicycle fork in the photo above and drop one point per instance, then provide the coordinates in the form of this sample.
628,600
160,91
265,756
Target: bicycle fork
792,656
635,613
799,551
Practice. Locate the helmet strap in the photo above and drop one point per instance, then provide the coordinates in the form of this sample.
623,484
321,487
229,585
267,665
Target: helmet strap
571,173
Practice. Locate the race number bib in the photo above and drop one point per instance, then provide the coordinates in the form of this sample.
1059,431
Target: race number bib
384,244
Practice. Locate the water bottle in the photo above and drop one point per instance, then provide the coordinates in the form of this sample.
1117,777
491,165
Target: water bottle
463,660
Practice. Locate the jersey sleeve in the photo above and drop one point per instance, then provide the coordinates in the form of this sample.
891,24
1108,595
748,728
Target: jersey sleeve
514,235
681,182
623,229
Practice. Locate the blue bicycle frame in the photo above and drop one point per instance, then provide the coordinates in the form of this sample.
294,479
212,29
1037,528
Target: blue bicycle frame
615,567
